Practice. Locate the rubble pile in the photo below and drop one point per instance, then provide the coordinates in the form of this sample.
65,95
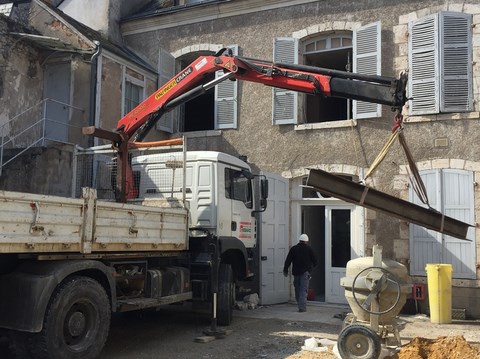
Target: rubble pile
451,347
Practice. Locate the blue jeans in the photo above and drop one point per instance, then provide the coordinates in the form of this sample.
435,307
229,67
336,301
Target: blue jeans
300,282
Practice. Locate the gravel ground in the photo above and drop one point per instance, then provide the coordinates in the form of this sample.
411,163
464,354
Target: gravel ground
172,332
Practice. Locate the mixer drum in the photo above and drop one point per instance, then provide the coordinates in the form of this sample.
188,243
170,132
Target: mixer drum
392,294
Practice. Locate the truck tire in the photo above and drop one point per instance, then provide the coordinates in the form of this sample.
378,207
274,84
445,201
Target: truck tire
226,295
76,322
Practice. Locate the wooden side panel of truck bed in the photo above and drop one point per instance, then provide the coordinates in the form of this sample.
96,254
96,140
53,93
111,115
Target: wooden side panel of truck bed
32,223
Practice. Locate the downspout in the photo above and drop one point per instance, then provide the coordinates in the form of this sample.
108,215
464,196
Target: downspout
93,87
93,101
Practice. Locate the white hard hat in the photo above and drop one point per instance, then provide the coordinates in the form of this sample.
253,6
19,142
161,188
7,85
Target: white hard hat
303,238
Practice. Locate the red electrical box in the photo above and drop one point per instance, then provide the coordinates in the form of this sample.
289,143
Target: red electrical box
418,291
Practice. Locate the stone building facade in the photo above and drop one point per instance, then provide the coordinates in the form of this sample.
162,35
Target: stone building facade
442,139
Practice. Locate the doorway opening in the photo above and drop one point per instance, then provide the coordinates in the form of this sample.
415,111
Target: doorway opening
329,228
313,224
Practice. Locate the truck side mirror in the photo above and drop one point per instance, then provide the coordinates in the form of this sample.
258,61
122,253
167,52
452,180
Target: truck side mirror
264,188
263,194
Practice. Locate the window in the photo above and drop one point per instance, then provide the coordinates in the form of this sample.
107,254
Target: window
339,50
198,113
214,110
451,193
133,91
332,51
132,96
440,64
238,187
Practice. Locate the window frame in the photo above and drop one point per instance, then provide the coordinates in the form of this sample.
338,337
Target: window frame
285,104
225,95
128,79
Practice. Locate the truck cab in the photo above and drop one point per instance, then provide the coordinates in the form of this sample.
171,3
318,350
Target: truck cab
218,189
219,192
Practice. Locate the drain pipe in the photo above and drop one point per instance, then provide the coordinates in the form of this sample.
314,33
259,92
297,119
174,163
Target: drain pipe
92,104
93,88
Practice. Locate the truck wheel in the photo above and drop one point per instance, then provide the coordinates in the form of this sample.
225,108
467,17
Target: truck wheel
226,295
76,322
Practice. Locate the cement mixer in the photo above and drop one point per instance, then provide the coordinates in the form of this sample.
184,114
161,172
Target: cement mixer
376,291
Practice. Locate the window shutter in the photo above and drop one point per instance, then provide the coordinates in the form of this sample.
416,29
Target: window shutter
166,71
367,61
285,102
456,60
226,100
425,244
451,193
458,197
423,79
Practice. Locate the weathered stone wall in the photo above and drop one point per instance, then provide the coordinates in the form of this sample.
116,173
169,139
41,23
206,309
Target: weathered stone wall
41,170
21,79
101,15
265,144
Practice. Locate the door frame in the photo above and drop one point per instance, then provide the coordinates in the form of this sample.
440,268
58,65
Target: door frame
55,128
358,228
330,280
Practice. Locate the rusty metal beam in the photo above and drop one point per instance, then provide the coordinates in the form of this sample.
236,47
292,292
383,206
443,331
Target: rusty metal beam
361,195
98,132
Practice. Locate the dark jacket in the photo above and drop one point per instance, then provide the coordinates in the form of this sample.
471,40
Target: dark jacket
302,257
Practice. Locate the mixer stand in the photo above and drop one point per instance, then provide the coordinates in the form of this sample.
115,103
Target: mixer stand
389,334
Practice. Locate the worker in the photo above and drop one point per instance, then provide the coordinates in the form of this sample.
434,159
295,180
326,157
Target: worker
303,259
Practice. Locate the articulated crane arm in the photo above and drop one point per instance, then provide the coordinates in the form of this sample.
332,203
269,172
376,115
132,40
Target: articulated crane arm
190,83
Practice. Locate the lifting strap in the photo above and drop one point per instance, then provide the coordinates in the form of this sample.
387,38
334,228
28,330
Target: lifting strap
382,153
413,173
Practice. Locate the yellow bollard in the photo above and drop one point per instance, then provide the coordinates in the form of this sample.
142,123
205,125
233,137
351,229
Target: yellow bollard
439,278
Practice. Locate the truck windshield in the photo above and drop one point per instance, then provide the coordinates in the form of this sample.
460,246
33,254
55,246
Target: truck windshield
238,187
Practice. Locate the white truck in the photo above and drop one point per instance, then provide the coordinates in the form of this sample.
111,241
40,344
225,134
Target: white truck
67,263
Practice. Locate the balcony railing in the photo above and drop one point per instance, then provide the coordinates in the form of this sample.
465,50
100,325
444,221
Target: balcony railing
49,121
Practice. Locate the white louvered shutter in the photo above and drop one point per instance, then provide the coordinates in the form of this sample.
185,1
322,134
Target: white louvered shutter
456,62
423,76
226,100
451,193
285,102
457,195
426,244
166,71
367,61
